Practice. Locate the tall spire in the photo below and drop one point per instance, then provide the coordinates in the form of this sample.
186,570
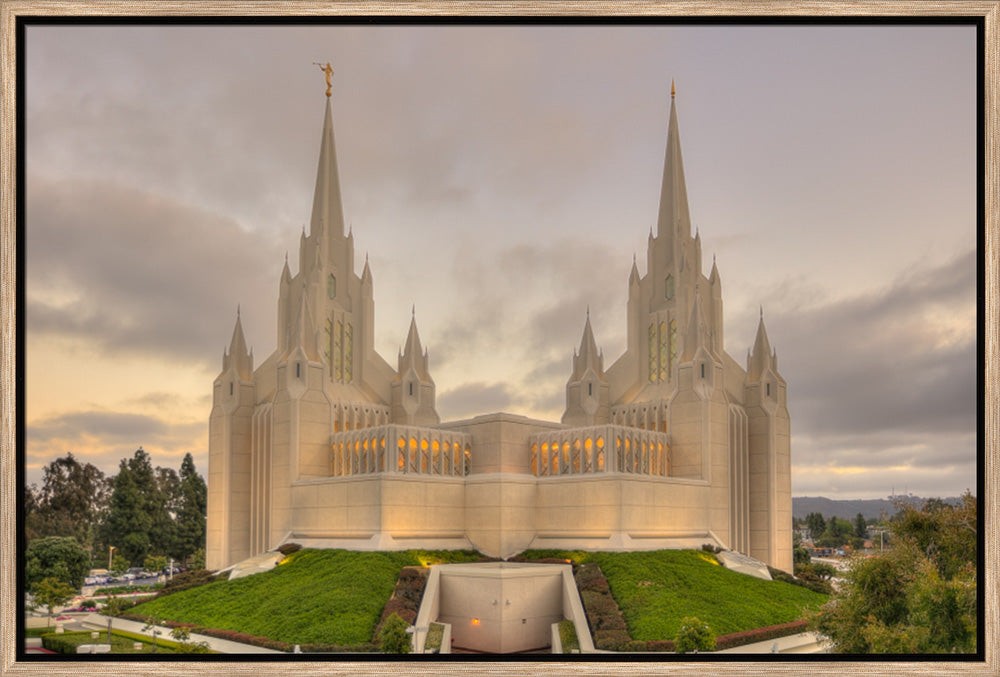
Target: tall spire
327,211
588,355
238,351
413,354
760,357
674,216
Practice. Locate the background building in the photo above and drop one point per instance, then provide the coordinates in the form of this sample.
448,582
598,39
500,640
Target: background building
675,444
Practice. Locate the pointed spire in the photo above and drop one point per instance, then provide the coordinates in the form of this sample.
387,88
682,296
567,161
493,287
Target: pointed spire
366,274
673,89
633,276
713,277
238,351
674,216
286,274
588,355
760,357
327,211
413,353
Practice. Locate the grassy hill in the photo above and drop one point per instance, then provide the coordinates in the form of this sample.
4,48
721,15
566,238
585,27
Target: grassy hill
337,596
654,590
314,596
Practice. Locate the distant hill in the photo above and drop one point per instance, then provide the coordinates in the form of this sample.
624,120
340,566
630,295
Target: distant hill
849,508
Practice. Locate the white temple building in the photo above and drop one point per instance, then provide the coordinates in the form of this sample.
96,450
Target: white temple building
326,444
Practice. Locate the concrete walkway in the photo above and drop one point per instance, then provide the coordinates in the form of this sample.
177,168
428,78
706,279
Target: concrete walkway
99,622
804,642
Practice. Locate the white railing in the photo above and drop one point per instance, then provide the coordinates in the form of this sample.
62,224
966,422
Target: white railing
400,449
597,449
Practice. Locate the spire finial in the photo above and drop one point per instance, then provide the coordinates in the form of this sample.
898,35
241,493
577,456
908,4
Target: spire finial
588,311
673,88
237,311
762,311
413,310
328,71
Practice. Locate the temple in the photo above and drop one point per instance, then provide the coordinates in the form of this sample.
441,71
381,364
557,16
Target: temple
326,444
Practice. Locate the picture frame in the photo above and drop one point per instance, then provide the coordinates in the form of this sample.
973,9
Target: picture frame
12,10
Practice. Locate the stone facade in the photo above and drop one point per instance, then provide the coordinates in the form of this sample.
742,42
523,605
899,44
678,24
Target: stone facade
675,444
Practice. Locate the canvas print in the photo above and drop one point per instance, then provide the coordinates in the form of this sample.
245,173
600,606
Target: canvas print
613,341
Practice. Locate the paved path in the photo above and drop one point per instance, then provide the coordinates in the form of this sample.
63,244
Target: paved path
99,622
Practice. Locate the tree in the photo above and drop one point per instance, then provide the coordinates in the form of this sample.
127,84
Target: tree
68,503
152,625
860,526
191,511
154,563
59,557
113,606
816,525
52,592
393,637
119,565
694,636
919,597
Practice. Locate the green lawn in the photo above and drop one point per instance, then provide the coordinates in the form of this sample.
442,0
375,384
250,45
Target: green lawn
656,589
315,596
121,642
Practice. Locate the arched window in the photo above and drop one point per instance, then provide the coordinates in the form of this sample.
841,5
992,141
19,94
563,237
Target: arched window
331,286
668,287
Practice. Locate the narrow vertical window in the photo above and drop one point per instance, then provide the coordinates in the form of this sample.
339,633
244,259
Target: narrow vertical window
668,287
768,389
590,389
652,353
298,370
411,388
230,388
331,286
703,371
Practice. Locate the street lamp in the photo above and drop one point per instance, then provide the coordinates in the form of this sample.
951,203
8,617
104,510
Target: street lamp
111,549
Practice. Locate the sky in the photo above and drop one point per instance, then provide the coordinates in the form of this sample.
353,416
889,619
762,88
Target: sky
500,180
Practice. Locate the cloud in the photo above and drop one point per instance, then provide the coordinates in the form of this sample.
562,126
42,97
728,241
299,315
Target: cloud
136,273
472,399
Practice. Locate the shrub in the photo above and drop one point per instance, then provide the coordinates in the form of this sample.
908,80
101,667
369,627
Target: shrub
567,636
611,640
288,548
759,634
694,635
435,635
186,580
393,638
406,596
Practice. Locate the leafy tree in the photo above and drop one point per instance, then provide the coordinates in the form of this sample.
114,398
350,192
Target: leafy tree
694,636
800,555
68,503
60,557
191,510
919,597
119,565
816,524
152,623
154,563
113,606
197,560
52,592
393,638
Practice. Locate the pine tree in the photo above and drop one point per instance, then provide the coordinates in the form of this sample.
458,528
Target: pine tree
128,520
191,511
